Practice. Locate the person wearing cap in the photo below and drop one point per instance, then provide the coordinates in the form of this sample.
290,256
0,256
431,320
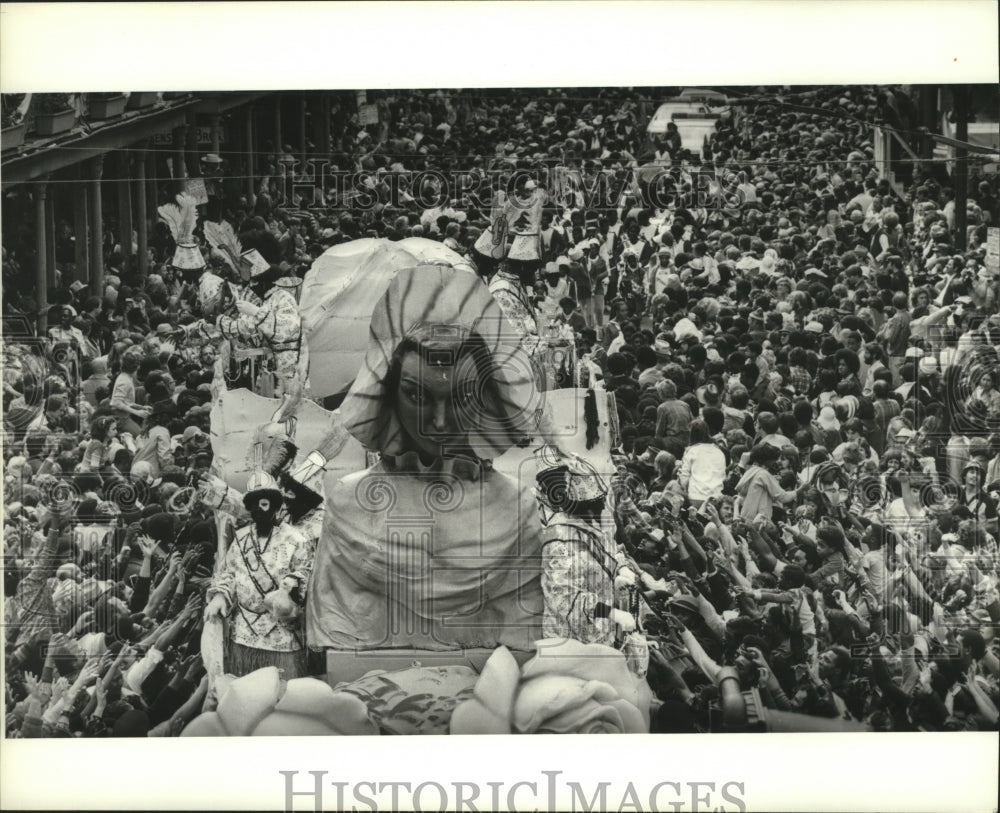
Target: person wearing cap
211,166
261,587
276,325
291,242
557,286
660,270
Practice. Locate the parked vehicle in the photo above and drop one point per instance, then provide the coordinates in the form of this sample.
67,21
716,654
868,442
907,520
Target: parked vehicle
666,112
696,131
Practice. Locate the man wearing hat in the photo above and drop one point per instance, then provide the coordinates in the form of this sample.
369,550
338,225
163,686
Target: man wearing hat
211,172
276,325
261,587
598,270
583,283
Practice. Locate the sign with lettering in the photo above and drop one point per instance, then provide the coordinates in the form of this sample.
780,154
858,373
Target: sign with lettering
204,137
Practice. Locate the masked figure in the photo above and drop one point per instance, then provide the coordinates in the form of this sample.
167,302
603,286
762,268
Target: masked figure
261,585
275,328
578,556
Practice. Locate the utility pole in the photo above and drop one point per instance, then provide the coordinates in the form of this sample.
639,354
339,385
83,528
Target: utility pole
961,95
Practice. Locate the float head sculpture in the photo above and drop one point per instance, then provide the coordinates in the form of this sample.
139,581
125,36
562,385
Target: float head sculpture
444,372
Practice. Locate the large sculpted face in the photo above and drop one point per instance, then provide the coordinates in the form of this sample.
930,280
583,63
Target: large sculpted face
434,394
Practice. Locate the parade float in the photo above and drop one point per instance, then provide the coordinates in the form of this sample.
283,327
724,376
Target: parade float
439,553
471,573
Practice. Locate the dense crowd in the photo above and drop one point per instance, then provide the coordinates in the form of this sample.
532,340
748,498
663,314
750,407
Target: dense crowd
805,368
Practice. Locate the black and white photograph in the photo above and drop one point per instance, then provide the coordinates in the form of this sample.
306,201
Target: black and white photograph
664,409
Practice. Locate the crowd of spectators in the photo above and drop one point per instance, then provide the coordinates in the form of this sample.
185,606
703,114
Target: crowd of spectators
805,368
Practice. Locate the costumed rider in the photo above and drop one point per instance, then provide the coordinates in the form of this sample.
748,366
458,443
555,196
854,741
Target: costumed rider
182,218
514,234
588,581
203,333
302,484
275,327
578,561
260,587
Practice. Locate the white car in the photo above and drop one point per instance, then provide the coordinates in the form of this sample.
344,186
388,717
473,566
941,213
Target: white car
665,114
696,131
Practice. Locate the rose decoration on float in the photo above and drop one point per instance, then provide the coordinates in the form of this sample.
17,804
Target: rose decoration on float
262,705
567,688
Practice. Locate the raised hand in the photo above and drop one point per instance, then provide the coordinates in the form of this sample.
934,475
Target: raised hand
193,605
59,688
712,512
123,654
86,619
146,545
90,672
105,661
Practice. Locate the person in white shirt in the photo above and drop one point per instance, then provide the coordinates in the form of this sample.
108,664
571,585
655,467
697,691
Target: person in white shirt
703,467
